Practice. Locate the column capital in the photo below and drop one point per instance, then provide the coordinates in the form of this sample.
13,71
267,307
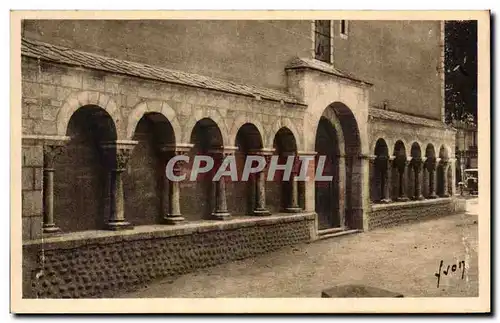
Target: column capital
223,150
175,149
117,153
261,151
51,149
367,156
307,153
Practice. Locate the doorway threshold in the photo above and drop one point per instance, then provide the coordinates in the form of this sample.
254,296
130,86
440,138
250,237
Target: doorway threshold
335,232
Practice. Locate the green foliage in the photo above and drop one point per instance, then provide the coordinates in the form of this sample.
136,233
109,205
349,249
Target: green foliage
460,66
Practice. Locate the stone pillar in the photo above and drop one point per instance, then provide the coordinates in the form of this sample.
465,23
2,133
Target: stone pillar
387,180
417,170
51,149
220,210
453,176
374,170
402,165
117,154
293,201
445,164
173,215
260,184
431,168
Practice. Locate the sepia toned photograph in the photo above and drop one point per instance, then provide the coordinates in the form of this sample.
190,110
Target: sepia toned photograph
295,158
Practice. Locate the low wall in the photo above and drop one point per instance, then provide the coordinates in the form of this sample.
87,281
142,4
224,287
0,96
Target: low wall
99,263
384,215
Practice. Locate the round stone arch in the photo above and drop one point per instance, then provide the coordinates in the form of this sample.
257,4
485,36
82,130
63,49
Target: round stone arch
315,111
160,107
77,100
282,123
376,137
215,116
243,119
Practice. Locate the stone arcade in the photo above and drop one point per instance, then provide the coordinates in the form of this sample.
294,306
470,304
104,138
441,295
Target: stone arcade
98,132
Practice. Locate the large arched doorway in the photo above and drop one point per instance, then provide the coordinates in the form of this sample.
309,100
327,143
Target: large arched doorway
145,187
339,202
197,199
81,184
327,193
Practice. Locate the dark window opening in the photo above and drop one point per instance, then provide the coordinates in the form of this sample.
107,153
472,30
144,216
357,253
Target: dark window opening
322,40
343,27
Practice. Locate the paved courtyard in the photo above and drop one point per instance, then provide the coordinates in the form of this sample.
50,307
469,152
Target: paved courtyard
402,259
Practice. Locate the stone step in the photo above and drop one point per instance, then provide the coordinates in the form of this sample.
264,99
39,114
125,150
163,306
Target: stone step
331,230
322,235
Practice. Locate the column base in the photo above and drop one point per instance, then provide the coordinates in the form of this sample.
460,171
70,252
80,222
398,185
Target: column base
433,196
402,199
293,210
261,212
173,219
119,225
221,215
418,198
445,195
50,229
385,201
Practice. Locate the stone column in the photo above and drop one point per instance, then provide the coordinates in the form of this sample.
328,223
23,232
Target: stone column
220,210
293,201
374,170
51,149
117,154
260,184
416,164
402,165
445,164
453,176
173,215
387,180
431,168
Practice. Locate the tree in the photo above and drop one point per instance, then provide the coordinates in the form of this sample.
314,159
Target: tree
460,64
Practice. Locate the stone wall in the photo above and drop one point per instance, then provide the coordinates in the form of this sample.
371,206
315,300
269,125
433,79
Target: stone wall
384,215
32,186
401,58
98,264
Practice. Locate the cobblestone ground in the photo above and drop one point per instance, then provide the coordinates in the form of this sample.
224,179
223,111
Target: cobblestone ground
403,259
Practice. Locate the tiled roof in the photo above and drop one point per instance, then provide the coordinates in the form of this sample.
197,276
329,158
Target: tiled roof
298,63
405,118
59,54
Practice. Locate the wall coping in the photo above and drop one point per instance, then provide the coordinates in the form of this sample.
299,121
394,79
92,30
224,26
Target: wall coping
146,232
410,204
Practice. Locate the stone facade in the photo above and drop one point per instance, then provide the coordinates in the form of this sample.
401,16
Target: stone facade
98,129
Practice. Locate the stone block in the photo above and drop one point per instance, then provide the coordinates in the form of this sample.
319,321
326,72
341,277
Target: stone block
48,91
32,156
26,228
35,111
38,178
72,80
63,93
49,113
30,90
36,227
32,203
27,174
27,126
93,84
45,127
